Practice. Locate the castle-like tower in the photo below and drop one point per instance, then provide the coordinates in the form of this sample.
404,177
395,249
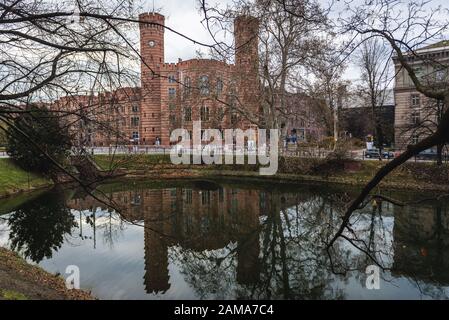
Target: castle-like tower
152,66
246,32
173,95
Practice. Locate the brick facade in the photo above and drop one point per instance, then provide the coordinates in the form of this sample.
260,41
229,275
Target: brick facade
197,89
173,95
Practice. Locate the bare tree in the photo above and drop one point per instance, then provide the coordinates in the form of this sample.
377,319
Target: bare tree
71,56
287,45
404,31
374,63
330,85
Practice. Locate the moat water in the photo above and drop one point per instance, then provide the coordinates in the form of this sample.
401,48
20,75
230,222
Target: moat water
233,240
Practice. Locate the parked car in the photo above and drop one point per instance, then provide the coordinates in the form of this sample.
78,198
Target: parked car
428,154
374,153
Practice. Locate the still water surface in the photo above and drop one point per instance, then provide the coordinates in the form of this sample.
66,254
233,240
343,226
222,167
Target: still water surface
232,240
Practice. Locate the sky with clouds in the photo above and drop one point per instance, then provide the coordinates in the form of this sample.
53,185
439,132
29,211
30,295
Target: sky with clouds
185,16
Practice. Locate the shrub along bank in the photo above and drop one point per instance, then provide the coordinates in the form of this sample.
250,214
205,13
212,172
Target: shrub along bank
420,175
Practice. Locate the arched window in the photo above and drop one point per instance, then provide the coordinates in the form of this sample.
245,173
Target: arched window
204,85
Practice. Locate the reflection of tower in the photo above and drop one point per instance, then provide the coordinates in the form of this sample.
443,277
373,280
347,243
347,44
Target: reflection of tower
248,260
156,246
248,271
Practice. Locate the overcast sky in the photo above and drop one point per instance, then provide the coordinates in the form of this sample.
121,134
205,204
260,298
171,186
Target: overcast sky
184,16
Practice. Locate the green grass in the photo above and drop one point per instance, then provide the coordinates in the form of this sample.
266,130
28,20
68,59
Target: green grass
12,295
147,161
13,179
131,162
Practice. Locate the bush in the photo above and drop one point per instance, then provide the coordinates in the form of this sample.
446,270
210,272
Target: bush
327,143
34,134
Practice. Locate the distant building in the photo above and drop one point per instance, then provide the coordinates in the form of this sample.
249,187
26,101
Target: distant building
416,115
307,116
357,118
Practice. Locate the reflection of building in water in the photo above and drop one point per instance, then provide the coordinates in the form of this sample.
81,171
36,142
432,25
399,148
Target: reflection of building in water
194,219
421,242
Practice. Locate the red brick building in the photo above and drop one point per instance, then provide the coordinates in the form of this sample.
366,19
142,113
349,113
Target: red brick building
198,89
173,95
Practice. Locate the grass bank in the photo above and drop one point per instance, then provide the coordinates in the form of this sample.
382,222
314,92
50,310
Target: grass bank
413,176
14,180
21,281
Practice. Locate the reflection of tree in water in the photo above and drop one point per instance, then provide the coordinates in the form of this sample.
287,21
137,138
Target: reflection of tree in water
38,227
282,258
421,247
271,245
112,227
211,273
409,241
291,262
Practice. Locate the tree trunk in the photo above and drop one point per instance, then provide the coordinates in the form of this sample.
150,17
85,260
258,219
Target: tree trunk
440,154
411,151
335,129
379,138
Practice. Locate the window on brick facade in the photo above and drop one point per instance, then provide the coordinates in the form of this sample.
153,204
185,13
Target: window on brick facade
171,79
171,92
204,113
415,138
135,108
187,86
187,114
205,198
172,106
188,196
416,101
135,135
204,85
135,121
219,86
